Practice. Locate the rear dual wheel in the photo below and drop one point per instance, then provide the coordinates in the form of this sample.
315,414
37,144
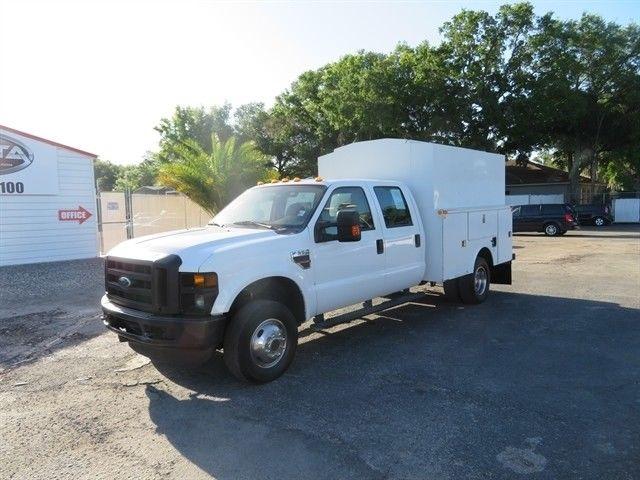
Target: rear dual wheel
472,288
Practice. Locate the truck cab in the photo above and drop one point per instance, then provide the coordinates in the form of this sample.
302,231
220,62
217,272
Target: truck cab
279,254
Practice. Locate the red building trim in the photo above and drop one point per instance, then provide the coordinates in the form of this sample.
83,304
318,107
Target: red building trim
55,144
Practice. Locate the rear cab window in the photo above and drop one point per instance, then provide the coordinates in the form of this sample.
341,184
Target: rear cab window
393,204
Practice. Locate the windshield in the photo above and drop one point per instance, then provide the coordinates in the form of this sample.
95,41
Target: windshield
277,207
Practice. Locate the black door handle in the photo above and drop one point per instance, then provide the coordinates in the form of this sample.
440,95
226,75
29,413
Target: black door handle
380,246
416,240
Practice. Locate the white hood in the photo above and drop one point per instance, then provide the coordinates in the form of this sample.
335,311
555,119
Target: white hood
193,246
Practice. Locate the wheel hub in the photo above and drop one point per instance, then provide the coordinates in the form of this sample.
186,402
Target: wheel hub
480,280
268,343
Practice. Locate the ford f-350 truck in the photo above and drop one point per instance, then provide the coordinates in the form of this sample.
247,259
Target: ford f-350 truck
383,216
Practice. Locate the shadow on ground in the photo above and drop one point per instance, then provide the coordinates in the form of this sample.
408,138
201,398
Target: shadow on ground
521,384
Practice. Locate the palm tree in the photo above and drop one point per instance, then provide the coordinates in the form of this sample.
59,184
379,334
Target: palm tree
212,179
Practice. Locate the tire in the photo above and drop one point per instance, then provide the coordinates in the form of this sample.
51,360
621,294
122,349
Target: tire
452,290
474,288
260,341
551,229
599,222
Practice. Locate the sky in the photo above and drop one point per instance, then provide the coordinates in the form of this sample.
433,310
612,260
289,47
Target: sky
99,75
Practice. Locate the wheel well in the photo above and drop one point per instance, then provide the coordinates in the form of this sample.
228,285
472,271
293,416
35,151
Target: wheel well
279,289
486,254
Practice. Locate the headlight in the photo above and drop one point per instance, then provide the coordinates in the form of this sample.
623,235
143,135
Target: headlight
198,291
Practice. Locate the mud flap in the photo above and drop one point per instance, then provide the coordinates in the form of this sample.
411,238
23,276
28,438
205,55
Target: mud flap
501,274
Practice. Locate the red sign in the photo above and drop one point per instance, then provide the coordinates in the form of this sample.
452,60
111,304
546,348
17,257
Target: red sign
80,215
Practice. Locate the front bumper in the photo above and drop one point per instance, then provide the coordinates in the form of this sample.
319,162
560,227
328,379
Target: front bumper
151,331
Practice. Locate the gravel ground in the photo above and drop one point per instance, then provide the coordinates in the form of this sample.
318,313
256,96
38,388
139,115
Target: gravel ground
47,306
541,381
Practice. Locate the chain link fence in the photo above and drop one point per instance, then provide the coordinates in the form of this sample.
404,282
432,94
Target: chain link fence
124,215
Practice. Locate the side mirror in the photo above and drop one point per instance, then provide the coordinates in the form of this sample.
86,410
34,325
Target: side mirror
348,226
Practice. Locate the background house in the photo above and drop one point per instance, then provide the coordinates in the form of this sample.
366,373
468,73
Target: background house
536,183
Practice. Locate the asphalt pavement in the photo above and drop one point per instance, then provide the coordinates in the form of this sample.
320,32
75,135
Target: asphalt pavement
540,381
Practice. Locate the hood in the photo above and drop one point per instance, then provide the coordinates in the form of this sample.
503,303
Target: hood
193,245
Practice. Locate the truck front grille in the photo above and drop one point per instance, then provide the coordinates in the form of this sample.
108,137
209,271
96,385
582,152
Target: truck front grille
143,285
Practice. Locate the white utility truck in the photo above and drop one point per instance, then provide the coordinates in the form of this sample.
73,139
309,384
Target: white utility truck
383,216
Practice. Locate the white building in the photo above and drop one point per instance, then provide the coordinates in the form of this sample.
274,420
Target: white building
47,200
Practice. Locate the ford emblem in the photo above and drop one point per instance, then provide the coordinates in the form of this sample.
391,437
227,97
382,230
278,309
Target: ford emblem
14,155
124,282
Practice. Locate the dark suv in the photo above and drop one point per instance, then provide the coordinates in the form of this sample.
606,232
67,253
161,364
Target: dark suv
551,218
598,215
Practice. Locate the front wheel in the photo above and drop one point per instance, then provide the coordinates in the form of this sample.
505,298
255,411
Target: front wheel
474,288
599,222
260,341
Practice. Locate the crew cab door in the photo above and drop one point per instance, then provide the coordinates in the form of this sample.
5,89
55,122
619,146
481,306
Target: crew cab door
347,272
404,249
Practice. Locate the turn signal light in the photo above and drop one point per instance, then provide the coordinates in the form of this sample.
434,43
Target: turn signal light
205,280
355,230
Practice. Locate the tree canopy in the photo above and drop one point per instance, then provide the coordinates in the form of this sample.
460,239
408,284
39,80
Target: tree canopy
512,82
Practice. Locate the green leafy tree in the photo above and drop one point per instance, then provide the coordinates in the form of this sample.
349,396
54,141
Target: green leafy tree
132,177
587,80
106,174
195,124
212,178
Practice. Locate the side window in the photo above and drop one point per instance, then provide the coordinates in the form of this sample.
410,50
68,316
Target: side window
394,207
530,210
552,209
343,198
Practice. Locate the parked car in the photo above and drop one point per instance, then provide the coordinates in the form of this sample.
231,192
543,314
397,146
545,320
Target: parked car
551,218
291,250
598,215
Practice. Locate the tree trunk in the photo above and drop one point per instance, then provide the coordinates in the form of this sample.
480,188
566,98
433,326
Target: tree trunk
593,171
581,157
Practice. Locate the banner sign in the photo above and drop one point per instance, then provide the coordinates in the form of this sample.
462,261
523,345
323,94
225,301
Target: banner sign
27,167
